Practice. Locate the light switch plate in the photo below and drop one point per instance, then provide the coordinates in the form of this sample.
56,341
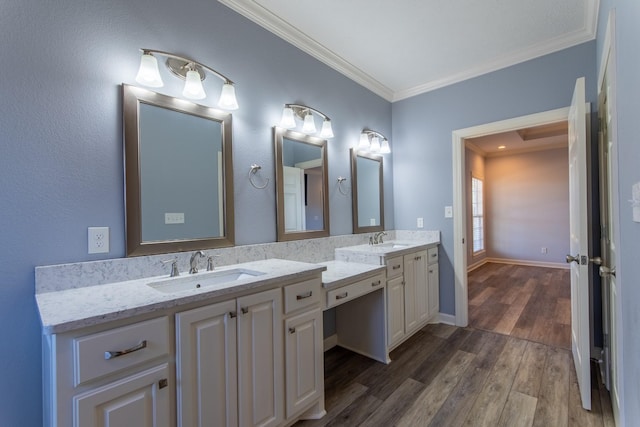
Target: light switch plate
448,211
420,223
174,218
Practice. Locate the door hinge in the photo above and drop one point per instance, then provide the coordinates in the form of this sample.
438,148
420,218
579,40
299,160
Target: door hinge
605,340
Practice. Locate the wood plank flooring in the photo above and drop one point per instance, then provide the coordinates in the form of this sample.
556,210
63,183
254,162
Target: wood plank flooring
533,303
511,367
449,376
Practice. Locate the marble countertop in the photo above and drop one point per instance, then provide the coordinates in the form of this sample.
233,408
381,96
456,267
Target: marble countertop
71,309
376,254
341,273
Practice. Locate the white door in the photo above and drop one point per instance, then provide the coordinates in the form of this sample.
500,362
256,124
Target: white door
395,310
294,216
579,257
206,371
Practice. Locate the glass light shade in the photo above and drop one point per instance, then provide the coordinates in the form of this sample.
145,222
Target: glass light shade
193,86
309,125
364,142
287,121
326,131
228,99
375,144
148,73
384,147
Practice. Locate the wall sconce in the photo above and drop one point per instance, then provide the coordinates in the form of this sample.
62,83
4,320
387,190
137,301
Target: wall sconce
192,72
373,142
291,111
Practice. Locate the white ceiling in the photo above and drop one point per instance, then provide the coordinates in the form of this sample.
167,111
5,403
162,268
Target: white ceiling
525,140
402,48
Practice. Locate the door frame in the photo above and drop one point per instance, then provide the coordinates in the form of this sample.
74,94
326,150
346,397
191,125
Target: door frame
459,193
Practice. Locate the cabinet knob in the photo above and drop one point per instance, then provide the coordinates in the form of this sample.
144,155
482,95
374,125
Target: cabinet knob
163,383
418,258
244,310
292,330
233,314
377,283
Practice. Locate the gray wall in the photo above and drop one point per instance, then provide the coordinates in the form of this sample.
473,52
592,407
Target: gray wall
628,271
422,127
61,139
528,206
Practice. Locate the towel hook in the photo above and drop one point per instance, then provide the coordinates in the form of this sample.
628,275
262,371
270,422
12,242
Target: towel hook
252,171
341,189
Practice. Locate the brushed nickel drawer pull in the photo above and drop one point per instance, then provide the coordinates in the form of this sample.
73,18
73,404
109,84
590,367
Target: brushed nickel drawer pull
342,296
113,354
303,296
395,267
376,283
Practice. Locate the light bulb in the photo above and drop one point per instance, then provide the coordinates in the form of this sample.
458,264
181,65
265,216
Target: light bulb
228,99
384,148
287,121
375,144
363,145
148,73
309,125
193,86
326,131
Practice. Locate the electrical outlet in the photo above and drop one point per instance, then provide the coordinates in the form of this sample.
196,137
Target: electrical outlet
543,250
98,240
174,218
420,223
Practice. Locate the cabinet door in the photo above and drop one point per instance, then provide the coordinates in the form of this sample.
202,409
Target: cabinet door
303,360
410,296
395,310
434,290
138,400
206,370
422,286
260,359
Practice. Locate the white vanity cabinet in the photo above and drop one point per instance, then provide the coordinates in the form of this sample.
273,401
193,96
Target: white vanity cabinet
304,358
116,378
229,362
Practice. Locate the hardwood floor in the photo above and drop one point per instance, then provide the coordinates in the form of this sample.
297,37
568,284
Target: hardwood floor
511,367
449,376
532,303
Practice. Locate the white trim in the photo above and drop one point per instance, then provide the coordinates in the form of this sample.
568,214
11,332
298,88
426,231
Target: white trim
562,266
330,342
459,191
476,265
447,319
263,17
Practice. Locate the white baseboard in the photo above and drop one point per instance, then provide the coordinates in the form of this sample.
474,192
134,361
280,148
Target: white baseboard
330,342
563,266
447,319
476,265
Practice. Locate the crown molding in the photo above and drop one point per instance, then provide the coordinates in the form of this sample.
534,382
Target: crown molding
261,16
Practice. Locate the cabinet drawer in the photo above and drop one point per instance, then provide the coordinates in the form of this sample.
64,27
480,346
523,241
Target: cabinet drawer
347,293
432,255
395,267
110,351
301,295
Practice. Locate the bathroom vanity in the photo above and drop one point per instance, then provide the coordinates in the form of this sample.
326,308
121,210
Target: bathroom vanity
241,345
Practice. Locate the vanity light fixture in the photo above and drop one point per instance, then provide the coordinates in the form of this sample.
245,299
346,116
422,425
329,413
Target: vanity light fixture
192,72
374,142
291,111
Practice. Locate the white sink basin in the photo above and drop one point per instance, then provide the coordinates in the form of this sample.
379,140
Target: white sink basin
391,245
202,281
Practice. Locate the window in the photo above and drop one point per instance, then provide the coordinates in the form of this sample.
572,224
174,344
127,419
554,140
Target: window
477,207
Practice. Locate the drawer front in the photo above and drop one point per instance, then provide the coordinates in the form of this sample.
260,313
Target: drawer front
301,295
395,267
347,293
110,351
432,255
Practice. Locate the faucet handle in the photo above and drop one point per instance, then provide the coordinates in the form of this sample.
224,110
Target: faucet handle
210,266
174,266
371,240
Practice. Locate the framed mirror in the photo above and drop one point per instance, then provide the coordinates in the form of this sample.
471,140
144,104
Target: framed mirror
368,196
178,174
301,185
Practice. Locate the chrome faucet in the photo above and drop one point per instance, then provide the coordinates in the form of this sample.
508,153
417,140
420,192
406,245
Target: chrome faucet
174,267
193,263
210,266
377,238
